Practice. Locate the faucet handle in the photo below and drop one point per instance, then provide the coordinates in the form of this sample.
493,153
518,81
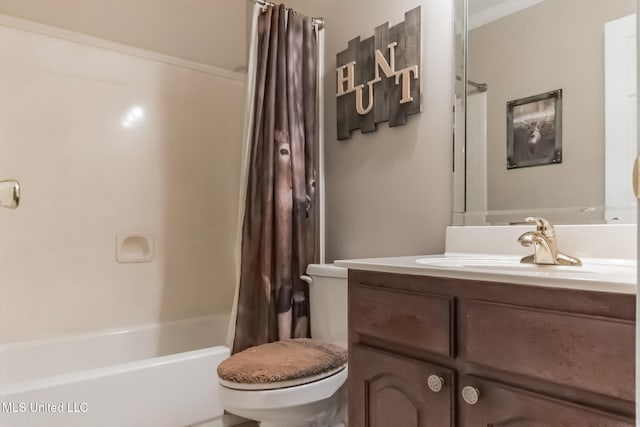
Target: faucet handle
543,226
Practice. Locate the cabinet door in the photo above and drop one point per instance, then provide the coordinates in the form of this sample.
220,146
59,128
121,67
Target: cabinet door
503,406
392,391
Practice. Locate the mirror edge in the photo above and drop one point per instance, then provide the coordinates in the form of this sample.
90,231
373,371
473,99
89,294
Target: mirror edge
459,110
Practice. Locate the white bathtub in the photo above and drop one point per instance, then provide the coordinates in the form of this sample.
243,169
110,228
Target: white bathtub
161,375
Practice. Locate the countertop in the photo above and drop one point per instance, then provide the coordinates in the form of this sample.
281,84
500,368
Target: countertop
616,276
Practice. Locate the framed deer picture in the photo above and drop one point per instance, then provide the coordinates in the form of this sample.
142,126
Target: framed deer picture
534,130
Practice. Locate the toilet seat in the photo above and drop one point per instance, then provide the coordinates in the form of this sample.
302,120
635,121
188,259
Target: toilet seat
281,384
283,397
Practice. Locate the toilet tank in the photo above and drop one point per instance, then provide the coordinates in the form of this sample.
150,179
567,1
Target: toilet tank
328,302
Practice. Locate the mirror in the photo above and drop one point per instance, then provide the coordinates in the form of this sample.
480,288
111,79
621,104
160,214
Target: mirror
546,122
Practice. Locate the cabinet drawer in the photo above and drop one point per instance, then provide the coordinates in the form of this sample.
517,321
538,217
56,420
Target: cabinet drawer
586,352
413,320
500,405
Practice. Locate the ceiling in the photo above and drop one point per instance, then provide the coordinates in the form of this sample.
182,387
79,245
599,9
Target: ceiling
212,32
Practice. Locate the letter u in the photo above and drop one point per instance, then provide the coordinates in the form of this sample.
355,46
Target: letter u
359,108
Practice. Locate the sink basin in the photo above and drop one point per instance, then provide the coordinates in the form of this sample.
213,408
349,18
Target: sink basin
513,265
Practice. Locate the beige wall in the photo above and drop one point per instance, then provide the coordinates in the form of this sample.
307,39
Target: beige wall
208,31
86,177
389,193
556,44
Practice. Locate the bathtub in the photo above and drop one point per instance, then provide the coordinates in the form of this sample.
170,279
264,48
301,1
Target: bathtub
158,375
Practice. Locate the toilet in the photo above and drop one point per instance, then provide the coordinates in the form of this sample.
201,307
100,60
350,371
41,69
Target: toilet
317,400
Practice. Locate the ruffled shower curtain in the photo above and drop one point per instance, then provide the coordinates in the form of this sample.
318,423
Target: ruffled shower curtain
280,227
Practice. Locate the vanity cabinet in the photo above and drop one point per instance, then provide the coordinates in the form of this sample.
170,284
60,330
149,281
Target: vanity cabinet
435,351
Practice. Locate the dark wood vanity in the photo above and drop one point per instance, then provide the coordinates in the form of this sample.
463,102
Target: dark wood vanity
437,352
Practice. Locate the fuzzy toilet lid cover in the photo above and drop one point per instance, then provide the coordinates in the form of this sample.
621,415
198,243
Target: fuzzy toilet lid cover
282,361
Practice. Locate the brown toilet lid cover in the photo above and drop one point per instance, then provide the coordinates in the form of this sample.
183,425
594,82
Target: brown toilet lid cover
282,361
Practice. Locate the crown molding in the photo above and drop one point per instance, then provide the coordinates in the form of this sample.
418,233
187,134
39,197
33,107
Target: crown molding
503,9
73,36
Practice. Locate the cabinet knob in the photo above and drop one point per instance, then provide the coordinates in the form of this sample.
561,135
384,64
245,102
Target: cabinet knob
435,383
470,395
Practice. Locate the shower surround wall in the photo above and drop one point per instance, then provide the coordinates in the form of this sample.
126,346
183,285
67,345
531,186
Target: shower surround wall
87,174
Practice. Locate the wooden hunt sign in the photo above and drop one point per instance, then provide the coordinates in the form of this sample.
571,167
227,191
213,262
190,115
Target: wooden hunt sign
378,79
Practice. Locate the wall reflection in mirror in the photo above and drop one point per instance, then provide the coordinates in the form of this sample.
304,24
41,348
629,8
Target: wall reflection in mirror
513,50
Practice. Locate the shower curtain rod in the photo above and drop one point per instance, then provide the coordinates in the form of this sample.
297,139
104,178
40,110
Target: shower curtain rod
482,87
318,22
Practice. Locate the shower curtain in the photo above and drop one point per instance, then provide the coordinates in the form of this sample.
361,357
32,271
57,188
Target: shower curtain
279,230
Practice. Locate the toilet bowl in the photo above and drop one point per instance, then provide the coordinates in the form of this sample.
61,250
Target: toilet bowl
316,404
315,401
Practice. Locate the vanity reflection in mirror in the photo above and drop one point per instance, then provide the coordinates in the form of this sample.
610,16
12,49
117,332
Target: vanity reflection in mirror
511,50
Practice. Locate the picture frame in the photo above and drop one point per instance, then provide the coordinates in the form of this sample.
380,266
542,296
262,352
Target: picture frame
534,130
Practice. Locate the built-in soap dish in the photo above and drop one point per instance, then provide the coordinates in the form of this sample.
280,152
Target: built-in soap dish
134,247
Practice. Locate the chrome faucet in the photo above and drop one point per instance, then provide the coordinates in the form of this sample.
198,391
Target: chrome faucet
9,194
545,246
